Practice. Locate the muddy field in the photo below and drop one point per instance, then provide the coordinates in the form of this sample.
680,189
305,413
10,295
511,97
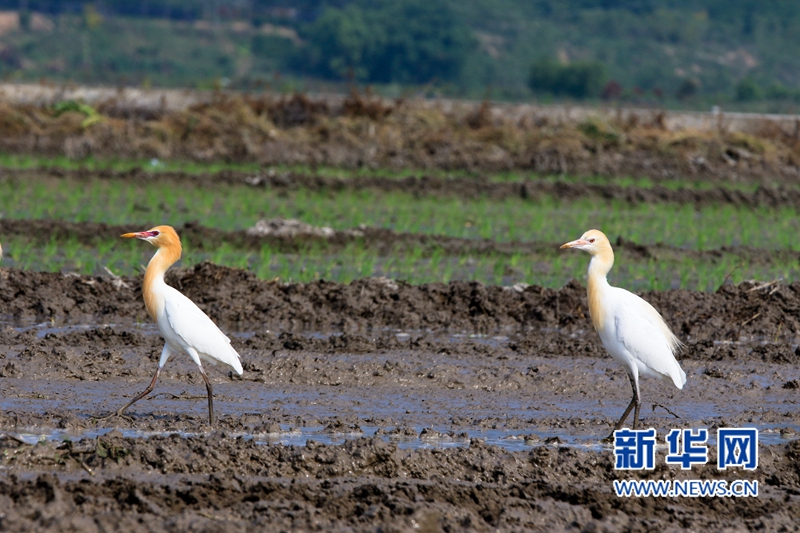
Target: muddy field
382,405
377,406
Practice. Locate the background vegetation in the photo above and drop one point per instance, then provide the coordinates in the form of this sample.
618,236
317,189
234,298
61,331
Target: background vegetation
72,223
691,53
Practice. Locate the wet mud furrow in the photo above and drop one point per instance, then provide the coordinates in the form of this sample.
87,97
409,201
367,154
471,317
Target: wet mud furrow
54,378
363,485
371,428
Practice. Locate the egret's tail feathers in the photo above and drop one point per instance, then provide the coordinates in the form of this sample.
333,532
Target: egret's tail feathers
677,377
683,379
236,364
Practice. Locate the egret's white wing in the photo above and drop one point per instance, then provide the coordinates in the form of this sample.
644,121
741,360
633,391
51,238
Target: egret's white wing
640,328
198,331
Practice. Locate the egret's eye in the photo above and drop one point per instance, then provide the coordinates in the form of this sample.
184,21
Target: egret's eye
591,240
153,233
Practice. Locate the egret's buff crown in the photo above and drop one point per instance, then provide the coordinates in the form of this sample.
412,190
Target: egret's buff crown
166,239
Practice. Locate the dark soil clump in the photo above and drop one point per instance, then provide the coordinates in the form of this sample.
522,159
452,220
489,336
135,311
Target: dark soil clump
237,296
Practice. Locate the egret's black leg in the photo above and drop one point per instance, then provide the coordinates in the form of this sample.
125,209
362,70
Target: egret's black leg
636,411
635,405
210,391
625,414
141,395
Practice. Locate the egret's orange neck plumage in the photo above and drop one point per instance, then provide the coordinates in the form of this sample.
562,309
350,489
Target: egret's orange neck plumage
599,266
169,251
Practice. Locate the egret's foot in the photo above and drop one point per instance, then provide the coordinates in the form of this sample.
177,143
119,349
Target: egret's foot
667,409
609,439
12,437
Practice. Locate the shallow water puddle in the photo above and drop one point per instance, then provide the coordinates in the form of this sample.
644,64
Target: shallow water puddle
513,441
57,326
527,400
246,330
289,436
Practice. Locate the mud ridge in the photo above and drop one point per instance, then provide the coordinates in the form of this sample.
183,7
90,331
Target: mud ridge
352,360
362,485
469,187
232,295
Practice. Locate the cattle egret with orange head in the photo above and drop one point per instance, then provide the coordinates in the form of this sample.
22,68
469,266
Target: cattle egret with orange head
184,326
632,330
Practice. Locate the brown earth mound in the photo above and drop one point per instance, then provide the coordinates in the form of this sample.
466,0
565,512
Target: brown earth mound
232,295
301,130
364,485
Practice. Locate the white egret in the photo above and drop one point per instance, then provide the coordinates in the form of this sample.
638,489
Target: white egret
631,330
184,326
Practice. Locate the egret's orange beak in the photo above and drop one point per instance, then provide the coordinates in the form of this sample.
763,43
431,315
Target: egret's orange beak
139,235
574,244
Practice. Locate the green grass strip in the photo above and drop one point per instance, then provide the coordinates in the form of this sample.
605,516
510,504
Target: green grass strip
355,262
234,207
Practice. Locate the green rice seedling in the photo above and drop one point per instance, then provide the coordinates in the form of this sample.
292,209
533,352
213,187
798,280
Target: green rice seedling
447,271
104,248
219,255
550,270
50,251
264,263
366,264
71,247
285,268
328,268
436,255
546,220
498,270
22,254
408,260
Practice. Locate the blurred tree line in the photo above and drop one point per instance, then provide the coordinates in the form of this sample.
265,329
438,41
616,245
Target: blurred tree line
635,50
582,79
387,41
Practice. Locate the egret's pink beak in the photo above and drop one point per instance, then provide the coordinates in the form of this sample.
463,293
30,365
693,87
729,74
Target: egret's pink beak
138,235
574,244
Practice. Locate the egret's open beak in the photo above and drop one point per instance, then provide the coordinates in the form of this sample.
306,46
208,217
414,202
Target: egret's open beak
144,235
574,244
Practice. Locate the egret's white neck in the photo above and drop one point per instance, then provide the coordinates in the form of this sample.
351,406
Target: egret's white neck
152,288
596,285
601,264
